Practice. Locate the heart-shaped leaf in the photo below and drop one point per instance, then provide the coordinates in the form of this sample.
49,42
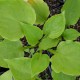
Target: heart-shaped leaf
20,68
30,67
72,11
9,50
55,26
12,12
67,58
71,34
61,76
39,63
47,43
32,33
41,9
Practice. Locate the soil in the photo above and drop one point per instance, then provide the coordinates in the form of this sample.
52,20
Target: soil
55,8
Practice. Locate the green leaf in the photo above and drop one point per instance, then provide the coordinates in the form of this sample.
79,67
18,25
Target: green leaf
6,76
32,33
18,10
10,29
72,11
10,50
61,76
20,68
67,58
41,9
71,34
55,26
31,67
12,12
39,63
47,43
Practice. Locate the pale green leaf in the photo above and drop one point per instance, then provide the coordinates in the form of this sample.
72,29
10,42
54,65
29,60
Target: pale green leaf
47,43
72,11
71,34
17,9
10,50
20,68
30,67
12,12
32,33
6,76
55,26
41,9
61,76
67,58
39,63
10,29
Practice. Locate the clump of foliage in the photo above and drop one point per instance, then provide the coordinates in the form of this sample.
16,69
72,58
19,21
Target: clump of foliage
20,18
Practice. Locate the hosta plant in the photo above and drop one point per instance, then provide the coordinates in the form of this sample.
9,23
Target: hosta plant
18,19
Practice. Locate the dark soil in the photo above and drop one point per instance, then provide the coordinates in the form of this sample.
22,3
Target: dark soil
55,8
2,70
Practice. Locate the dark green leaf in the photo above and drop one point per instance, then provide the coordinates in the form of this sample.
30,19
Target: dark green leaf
1,38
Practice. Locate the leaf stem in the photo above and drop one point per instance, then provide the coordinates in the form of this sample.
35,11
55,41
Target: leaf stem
52,51
27,47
